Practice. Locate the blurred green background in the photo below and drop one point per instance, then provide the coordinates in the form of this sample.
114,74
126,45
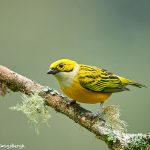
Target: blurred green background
114,35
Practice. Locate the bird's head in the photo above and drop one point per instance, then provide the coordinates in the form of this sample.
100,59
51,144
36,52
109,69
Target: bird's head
61,66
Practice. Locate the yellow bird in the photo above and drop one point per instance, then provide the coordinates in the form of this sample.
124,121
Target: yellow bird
88,84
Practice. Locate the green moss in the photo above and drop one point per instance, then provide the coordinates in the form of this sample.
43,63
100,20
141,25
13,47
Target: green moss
112,118
138,143
34,108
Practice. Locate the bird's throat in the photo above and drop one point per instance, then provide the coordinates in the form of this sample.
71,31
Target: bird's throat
66,79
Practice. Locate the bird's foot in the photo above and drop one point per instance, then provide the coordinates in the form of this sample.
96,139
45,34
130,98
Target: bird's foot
71,102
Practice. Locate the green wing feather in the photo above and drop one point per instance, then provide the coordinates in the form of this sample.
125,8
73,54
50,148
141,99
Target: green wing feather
96,79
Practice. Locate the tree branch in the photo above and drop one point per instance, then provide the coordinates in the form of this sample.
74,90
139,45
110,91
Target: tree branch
115,139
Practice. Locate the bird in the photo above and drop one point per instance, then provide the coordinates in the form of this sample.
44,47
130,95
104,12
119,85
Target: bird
88,84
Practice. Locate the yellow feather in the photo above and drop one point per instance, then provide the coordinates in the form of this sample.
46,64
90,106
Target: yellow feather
79,93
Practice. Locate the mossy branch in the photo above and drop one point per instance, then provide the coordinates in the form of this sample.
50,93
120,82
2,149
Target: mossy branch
115,139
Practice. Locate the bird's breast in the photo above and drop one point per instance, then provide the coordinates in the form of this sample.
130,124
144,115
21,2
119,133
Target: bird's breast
80,94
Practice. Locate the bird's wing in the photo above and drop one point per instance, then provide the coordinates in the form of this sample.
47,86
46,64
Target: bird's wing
96,79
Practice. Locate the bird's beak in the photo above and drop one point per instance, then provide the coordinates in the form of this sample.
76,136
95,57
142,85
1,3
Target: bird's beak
52,71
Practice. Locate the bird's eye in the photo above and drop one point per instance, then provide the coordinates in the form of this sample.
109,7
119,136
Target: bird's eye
61,65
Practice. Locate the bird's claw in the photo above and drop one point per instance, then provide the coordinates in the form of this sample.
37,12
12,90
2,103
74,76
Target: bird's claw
71,102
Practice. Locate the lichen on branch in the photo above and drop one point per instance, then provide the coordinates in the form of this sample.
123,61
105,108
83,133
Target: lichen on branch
34,107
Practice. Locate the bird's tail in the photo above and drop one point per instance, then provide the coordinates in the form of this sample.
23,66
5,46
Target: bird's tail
130,82
139,85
